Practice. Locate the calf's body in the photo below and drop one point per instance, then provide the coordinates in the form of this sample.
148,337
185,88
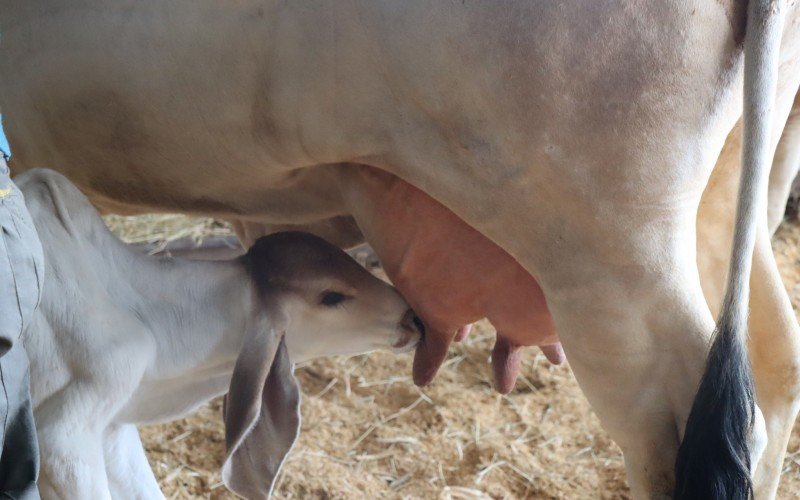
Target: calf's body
123,338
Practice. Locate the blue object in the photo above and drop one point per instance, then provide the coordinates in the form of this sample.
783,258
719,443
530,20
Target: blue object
5,149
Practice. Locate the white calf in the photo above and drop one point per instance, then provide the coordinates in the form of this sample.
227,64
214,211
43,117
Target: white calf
123,338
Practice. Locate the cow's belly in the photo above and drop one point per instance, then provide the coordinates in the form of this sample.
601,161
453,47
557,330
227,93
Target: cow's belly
218,112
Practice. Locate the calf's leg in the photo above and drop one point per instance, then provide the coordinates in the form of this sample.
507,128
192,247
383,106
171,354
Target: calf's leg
129,474
72,463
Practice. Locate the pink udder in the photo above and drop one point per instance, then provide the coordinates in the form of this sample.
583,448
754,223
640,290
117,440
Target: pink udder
452,276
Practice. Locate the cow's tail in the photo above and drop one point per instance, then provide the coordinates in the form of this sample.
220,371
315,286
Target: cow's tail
714,458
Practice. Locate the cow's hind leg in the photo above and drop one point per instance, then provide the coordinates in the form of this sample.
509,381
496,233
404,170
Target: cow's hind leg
636,329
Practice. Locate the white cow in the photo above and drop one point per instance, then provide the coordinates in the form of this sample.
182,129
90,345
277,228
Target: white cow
578,136
124,338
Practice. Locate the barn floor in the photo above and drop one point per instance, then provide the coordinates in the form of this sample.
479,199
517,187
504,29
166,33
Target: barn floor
369,432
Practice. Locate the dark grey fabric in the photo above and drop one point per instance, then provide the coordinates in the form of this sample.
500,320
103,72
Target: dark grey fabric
19,461
21,268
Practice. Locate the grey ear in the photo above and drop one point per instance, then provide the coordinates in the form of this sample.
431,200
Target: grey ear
262,412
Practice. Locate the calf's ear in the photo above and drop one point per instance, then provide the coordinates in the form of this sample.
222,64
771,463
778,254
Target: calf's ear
262,411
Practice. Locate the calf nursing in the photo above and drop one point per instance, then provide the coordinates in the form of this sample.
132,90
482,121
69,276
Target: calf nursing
123,338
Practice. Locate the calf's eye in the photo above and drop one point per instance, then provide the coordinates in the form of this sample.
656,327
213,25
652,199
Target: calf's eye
332,299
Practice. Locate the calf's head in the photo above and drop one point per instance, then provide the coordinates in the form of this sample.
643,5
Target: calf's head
330,304
312,300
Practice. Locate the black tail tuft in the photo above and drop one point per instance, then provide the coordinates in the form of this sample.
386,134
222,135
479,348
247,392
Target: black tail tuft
714,458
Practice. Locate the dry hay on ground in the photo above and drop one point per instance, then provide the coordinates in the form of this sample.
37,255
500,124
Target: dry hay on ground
159,229
368,432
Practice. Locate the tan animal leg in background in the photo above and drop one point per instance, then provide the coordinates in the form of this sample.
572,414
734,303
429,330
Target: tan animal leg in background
785,167
775,356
